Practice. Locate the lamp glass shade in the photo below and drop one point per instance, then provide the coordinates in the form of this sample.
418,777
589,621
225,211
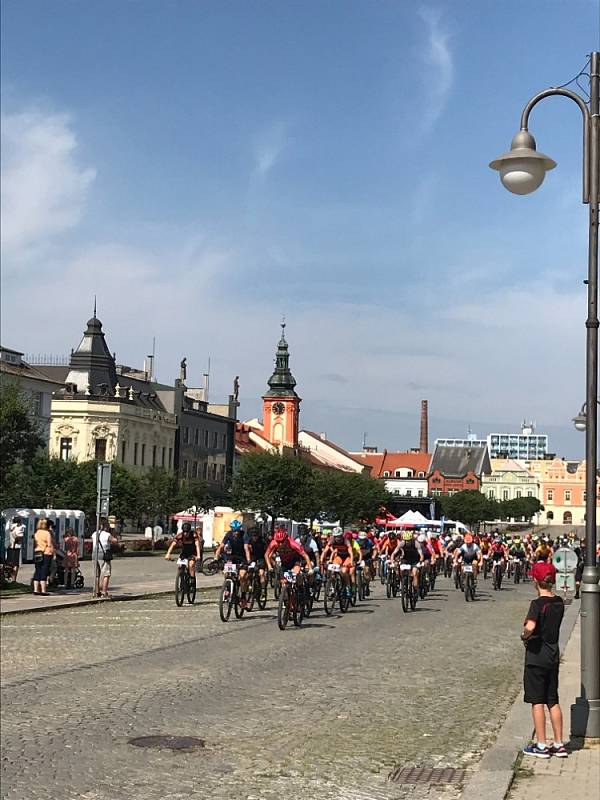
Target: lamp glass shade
522,175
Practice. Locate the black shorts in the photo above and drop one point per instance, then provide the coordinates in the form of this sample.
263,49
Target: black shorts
541,684
13,555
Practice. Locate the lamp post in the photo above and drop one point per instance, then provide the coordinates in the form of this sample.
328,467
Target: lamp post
522,170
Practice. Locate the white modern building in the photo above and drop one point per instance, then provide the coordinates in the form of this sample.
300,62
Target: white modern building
526,445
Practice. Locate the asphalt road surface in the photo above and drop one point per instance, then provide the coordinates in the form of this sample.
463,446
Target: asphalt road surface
325,711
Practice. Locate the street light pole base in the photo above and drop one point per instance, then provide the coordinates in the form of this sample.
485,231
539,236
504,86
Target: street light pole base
585,720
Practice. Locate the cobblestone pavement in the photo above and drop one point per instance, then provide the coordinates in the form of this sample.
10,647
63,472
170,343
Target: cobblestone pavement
325,711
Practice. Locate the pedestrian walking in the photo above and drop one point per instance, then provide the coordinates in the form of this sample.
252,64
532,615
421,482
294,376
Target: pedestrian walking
43,552
540,635
71,558
16,534
102,542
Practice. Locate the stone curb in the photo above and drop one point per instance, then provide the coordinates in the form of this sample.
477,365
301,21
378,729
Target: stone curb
93,601
494,776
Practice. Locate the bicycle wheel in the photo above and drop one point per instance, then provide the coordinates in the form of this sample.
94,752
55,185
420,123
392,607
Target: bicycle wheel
262,597
388,583
308,599
517,575
330,595
467,589
283,609
414,595
359,586
297,606
277,585
344,600
404,594
237,604
382,572
179,587
226,599
472,588
209,566
353,594
432,578
190,589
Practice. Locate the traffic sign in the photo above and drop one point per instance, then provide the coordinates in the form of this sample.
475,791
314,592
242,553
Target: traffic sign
104,506
565,582
565,560
103,479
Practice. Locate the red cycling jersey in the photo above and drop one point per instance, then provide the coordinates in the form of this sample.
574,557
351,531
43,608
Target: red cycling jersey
289,550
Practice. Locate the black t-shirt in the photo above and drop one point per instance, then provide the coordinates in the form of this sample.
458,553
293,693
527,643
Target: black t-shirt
542,646
258,547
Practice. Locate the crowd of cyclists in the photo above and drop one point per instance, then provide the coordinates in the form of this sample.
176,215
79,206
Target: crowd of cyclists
338,567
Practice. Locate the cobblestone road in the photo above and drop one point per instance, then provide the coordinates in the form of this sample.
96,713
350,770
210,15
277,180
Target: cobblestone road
324,712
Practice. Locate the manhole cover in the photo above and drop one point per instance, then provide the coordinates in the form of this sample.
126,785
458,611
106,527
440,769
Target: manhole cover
429,775
169,742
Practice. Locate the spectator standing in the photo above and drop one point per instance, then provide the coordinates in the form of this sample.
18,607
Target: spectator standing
102,542
71,558
15,543
540,634
43,552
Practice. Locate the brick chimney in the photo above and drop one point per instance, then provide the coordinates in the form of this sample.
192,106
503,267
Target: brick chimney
424,438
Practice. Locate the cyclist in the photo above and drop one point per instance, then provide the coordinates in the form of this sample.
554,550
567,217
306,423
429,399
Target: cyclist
408,553
469,553
310,547
340,551
367,552
517,551
233,546
191,548
290,551
255,548
499,553
543,552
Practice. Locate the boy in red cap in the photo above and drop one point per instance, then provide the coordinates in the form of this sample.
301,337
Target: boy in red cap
540,635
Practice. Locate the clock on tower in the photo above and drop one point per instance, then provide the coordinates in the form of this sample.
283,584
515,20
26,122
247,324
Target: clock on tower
281,404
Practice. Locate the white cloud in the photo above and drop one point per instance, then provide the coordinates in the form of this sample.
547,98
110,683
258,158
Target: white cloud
43,188
439,75
269,146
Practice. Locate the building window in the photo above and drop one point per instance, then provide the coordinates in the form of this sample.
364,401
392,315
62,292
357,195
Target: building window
452,491
135,452
205,438
567,495
491,494
420,493
214,472
529,493
386,474
185,469
143,454
421,474
224,441
505,494
100,450
170,457
550,494
162,458
66,449
123,451
436,492
409,492
215,440
186,435
205,470
518,493
195,469
222,471
153,455
197,436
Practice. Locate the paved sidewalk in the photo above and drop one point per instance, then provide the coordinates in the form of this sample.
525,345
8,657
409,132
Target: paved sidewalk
120,590
578,776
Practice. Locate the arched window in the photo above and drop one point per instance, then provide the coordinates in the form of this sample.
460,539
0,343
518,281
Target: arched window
386,474
421,474
567,518
550,515
398,473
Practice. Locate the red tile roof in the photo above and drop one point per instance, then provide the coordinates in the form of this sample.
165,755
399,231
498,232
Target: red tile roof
389,462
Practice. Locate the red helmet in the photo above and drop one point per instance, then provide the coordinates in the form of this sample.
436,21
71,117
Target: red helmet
280,535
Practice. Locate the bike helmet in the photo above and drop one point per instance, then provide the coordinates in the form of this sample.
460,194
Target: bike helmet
392,535
235,525
186,527
337,531
280,535
498,540
421,538
407,536
362,536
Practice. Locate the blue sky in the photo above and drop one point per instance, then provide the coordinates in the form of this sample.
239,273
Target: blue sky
204,167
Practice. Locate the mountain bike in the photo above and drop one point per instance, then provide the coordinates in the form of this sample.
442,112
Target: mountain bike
392,581
230,597
487,567
334,591
408,593
497,575
291,600
518,571
468,582
382,568
257,592
185,584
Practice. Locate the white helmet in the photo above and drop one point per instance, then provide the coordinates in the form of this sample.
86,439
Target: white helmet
363,535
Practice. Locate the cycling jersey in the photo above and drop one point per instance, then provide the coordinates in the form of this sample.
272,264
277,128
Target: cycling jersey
518,552
340,549
409,553
470,553
497,552
234,542
311,549
290,551
436,547
187,541
258,547
366,549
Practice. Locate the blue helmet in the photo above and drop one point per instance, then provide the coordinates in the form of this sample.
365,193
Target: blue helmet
235,525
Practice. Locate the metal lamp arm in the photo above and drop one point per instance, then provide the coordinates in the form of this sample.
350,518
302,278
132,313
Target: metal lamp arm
586,128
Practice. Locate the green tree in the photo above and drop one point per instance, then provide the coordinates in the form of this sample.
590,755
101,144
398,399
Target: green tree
469,506
351,497
273,484
20,438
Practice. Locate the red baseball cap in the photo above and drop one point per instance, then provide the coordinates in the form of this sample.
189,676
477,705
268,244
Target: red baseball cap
542,571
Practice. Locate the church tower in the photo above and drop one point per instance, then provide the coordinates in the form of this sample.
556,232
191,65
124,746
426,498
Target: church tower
281,404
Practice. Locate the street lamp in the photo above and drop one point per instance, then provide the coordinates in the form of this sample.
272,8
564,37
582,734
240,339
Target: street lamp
522,170
580,421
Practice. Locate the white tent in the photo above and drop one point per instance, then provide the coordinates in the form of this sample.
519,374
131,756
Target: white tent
410,518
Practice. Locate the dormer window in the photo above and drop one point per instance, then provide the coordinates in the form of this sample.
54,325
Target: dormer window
386,474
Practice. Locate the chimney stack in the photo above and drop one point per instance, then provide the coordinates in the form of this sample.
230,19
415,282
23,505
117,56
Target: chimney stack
424,438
